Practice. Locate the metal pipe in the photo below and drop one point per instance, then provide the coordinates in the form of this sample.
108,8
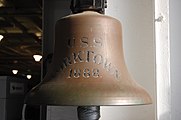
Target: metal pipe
88,112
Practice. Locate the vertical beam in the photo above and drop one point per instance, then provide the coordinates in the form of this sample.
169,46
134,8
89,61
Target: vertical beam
163,59
43,112
43,108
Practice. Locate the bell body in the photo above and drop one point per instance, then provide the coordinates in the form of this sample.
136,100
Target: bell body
88,66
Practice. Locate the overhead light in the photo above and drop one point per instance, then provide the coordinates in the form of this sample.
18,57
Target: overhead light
1,37
37,57
15,71
28,76
1,4
38,34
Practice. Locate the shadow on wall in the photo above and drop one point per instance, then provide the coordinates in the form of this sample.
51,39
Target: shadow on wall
61,113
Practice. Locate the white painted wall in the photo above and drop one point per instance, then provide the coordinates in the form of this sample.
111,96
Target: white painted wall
137,17
175,39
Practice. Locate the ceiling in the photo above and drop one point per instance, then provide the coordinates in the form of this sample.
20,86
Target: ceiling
21,26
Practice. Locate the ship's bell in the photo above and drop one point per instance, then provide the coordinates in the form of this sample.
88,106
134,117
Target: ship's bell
88,66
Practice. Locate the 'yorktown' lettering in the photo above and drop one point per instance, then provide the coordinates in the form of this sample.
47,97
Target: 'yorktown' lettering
87,57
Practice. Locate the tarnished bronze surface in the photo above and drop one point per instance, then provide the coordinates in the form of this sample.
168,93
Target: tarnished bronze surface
88,65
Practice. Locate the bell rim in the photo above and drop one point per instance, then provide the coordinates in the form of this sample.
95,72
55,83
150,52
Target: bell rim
40,96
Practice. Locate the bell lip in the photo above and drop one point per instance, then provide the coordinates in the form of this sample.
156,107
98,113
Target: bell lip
113,104
51,93
31,100
40,96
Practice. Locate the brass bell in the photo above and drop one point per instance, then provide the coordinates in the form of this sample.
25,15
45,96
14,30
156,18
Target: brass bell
88,66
